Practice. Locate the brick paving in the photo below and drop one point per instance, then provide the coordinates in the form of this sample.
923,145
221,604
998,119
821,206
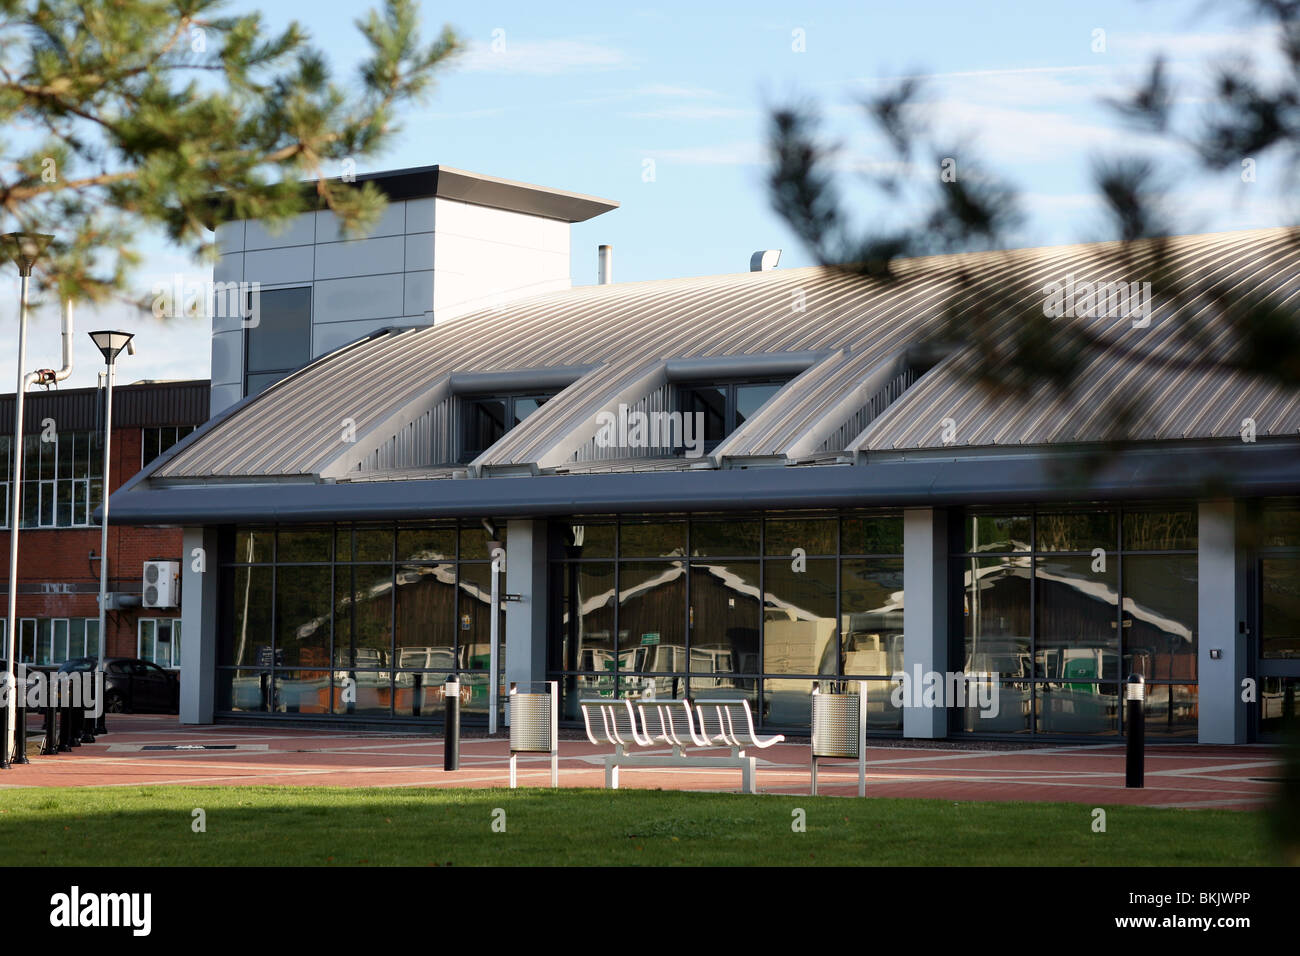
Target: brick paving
1185,775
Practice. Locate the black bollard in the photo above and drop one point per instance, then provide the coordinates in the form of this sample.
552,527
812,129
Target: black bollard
451,732
74,725
65,727
1135,727
20,731
51,745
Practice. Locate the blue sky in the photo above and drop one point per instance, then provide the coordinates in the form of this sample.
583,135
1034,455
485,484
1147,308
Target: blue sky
581,97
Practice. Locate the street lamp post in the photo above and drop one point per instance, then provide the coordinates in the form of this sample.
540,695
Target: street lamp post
24,248
110,344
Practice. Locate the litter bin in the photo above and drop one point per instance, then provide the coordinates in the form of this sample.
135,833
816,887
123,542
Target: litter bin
839,728
534,727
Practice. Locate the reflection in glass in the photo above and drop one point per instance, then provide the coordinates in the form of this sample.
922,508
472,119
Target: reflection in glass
584,539
302,610
302,692
249,599
474,614
247,691
871,615
1160,530
998,532
724,618
300,545
1008,709
814,535
872,534
1277,705
1171,710
426,543
1159,621
1078,707
652,615
363,614
799,618
652,539
725,538
426,616
995,611
787,703
1078,531
253,545
1077,637
586,618
1279,624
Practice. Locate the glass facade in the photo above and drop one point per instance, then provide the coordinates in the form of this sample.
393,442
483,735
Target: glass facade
753,606
357,620
1062,604
1278,649
62,478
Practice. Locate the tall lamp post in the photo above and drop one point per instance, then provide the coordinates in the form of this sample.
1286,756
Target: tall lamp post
24,248
111,345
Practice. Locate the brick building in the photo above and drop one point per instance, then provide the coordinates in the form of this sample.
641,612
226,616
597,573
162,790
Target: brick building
58,550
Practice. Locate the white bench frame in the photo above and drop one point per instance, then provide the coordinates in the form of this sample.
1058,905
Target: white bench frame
660,722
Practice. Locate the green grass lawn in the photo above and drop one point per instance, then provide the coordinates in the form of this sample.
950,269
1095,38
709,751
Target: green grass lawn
345,827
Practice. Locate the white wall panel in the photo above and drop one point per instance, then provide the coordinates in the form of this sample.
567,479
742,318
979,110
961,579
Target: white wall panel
363,297
301,231
361,257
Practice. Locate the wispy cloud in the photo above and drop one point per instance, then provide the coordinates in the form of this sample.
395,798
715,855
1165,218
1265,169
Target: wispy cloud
543,57
693,113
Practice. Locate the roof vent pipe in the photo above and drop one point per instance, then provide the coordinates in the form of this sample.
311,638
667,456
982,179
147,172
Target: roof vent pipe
764,260
605,265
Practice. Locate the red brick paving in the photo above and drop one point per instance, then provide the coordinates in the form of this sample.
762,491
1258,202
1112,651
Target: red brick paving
1176,775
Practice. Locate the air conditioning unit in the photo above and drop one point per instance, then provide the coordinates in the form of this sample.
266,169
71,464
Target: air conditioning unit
162,583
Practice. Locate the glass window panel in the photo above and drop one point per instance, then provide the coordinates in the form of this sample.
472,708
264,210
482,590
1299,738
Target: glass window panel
590,540
282,337
44,642
243,691
1160,530
32,457
1281,525
95,456
63,513
1078,707
1159,621
750,398
302,691
1171,710
253,545
426,544
47,504
484,425
1078,628
176,642
799,618
995,614
575,688
787,704
363,612
96,499
1078,531
249,639
372,690
310,544
474,541
49,459
998,532
525,405
92,637
652,539
813,535
426,616
419,694
31,504
302,610
254,384
871,616
652,614
1279,625
27,640
148,639
59,631
584,618
710,404
726,537
996,707
474,613
872,534
884,710
724,617
1277,704
76,638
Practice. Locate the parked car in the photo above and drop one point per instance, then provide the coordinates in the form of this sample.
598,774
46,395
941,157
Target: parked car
132,685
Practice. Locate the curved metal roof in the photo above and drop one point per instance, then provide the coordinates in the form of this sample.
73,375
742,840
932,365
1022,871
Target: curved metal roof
848,333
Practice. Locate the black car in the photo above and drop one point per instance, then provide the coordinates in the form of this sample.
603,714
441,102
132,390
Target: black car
132,685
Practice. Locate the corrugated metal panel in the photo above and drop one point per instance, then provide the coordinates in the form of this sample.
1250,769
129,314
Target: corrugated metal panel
134,406
629,328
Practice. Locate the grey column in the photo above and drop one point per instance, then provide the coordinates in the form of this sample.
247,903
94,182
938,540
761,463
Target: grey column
1221,613
526,551
198,625
925,612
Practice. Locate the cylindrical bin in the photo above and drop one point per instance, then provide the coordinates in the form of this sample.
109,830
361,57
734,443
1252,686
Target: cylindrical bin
839,730
534,728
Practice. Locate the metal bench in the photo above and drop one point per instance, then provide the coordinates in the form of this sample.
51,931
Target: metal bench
673,723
